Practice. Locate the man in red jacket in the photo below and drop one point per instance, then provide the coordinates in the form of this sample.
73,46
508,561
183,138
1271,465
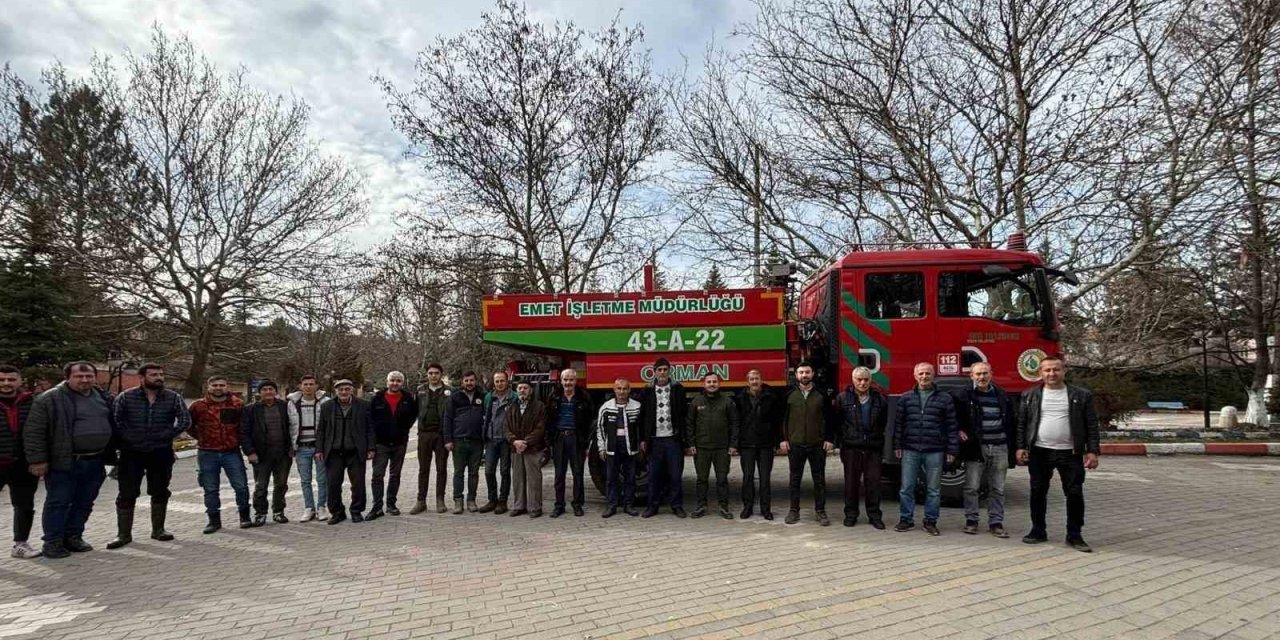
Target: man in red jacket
15,404
215,424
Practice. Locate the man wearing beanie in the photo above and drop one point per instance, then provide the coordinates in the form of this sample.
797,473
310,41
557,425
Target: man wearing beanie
664,409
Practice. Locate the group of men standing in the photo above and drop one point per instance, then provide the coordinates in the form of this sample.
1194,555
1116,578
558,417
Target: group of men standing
69,433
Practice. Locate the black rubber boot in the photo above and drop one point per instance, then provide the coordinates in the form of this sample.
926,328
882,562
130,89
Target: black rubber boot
124,529
157,522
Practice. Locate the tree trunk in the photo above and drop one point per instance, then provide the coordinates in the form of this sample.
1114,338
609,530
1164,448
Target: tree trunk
201,350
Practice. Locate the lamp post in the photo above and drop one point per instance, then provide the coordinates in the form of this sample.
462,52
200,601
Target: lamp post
1203,337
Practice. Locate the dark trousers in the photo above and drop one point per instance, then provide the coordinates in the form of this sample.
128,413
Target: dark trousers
1070,468
69,496
351,463
620,469
703,460
568,457
431,447
271,468
798,455
757,459
467,456
384,454
156,465
497,469
861,474
666,472
22,495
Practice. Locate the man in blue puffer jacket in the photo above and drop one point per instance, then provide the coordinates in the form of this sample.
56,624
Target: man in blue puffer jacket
925,433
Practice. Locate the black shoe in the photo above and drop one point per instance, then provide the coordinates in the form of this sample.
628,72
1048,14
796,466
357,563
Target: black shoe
904,525
245,523
1079,544
215,524
557,512
1035,537
931,528
392,511
259,520
279,518
746,513
76,544
609,512
680,512
54,550
724,513
488,507
699,512
630,510
971,527
793,516
877,523
374,514
822,518
356,517
998,531
517,512
850,521
577,511
335,518
649,512
767,515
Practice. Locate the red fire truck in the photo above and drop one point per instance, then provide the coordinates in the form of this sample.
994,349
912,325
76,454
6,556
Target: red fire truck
885,310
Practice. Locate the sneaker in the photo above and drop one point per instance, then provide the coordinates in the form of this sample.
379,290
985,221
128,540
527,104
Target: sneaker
24,550
878,523
793,516
1035,537
418,507
998,531
971,527
279,518
1079,544
308,515
823,520
322,513
931,528
904,525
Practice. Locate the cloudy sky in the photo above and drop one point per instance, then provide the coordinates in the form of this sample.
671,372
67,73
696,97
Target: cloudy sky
325,53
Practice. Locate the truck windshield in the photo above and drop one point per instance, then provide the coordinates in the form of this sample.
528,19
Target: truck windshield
1013,298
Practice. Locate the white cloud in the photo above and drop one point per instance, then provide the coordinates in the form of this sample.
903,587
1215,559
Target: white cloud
326,53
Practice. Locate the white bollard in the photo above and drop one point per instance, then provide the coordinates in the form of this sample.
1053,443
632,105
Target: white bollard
1228,418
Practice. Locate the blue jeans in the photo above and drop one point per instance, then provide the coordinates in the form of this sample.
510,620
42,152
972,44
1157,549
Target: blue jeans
69,496
307,465
911,463
497,469
230,462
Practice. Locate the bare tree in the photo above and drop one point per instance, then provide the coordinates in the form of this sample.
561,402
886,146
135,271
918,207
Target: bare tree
247,212
542,137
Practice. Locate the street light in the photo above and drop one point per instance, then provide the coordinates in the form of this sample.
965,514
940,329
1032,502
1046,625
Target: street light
1203,337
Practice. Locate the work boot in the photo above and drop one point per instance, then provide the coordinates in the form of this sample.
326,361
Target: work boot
488,507
440,508
471,506
76,544
931,528
418,507
215,523
54,550
158,513
457,507
124,529
501,507
245,520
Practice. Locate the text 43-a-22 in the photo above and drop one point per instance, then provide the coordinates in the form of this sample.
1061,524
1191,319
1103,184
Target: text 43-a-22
693,340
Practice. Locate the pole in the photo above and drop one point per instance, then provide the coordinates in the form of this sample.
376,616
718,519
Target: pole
1204,353
755,162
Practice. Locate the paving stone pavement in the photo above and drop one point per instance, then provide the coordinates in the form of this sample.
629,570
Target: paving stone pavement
1186,547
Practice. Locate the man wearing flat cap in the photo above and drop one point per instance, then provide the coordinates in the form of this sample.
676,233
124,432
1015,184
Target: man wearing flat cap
664,410
344,439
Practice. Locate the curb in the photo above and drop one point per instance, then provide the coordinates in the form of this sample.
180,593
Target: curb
1191,448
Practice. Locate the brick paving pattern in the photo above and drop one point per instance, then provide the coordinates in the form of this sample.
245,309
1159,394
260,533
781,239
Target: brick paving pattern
1186,548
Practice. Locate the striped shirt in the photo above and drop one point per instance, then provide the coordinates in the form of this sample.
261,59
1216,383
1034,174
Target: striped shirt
992,417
